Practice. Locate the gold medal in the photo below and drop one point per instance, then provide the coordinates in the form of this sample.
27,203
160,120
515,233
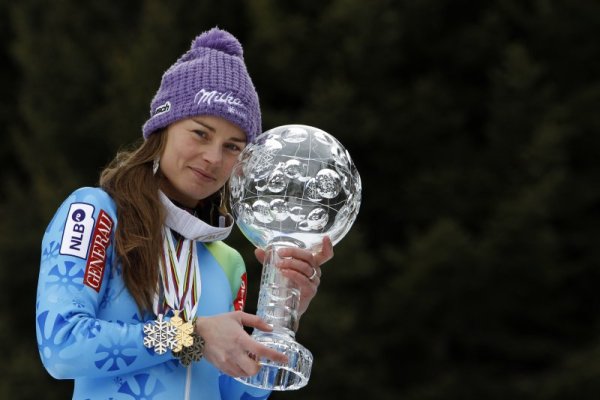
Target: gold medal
183,333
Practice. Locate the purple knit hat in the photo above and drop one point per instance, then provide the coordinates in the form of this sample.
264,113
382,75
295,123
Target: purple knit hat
210,79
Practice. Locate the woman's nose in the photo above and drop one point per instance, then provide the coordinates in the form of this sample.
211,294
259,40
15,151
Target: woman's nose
213,154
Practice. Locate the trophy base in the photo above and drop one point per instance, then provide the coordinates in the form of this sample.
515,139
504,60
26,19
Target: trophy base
277,376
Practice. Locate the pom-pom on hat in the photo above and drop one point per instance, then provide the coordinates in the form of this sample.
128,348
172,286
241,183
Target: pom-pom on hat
209,79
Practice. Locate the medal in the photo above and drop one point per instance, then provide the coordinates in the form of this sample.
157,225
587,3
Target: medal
160,335
183,332
192,353
180,278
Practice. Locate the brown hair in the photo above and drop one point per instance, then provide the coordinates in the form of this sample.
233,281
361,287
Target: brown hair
129,180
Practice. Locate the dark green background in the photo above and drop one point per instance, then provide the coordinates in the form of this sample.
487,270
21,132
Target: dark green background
472,270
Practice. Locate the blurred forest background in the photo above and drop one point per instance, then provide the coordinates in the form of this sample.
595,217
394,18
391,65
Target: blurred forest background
472,271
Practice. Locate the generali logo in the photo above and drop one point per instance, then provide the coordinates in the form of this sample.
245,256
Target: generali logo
94,269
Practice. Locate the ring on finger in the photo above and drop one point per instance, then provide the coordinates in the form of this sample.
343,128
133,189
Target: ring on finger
314,274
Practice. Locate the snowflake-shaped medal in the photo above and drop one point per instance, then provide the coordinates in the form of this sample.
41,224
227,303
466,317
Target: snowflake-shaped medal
183,332
193,353
160,335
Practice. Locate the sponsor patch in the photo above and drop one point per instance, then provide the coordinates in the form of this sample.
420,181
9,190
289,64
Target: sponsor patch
210,96
78,230
164,108
96,260
240,300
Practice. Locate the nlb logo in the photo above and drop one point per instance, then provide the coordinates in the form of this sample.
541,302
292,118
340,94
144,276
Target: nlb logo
78,230
94,269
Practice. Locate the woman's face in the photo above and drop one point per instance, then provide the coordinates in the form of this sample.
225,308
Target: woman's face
198,157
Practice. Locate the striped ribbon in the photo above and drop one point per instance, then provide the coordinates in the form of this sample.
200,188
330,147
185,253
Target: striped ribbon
180,276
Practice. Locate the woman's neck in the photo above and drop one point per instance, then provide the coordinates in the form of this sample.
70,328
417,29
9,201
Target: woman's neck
176,197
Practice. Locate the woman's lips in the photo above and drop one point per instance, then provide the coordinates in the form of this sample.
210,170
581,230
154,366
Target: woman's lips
203,175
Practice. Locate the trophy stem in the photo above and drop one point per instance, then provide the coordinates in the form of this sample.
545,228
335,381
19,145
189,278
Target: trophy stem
278,299
278,306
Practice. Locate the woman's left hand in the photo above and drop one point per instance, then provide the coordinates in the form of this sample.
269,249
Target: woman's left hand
303,268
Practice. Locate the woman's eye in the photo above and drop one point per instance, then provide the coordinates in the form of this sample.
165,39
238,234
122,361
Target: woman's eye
200,133
233,147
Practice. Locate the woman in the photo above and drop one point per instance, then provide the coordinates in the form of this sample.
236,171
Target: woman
138,297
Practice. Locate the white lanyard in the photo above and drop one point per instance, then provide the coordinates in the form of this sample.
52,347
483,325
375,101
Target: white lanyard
180,274
179,268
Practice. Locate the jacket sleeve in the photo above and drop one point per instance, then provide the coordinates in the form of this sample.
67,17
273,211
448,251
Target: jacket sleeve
77,258
233,265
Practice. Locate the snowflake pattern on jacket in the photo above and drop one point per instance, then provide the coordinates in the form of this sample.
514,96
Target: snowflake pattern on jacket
88,326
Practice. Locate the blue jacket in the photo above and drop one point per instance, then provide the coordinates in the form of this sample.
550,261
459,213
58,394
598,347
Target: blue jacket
89,328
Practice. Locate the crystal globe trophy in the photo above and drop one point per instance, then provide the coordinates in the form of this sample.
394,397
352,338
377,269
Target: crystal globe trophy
291,187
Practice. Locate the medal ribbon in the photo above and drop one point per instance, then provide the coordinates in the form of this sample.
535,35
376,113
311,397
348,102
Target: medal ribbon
180,275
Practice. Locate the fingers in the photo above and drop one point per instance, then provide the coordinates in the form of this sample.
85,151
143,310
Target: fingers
302,260
301,274
247,364
326,252
304,267
295,259
258,351
254,321
229,347
317,259
260,254
256,348
244,366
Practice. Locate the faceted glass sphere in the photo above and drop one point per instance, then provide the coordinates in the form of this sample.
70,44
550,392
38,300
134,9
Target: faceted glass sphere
294,185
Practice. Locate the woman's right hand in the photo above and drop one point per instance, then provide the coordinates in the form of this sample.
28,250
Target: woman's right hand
228,346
